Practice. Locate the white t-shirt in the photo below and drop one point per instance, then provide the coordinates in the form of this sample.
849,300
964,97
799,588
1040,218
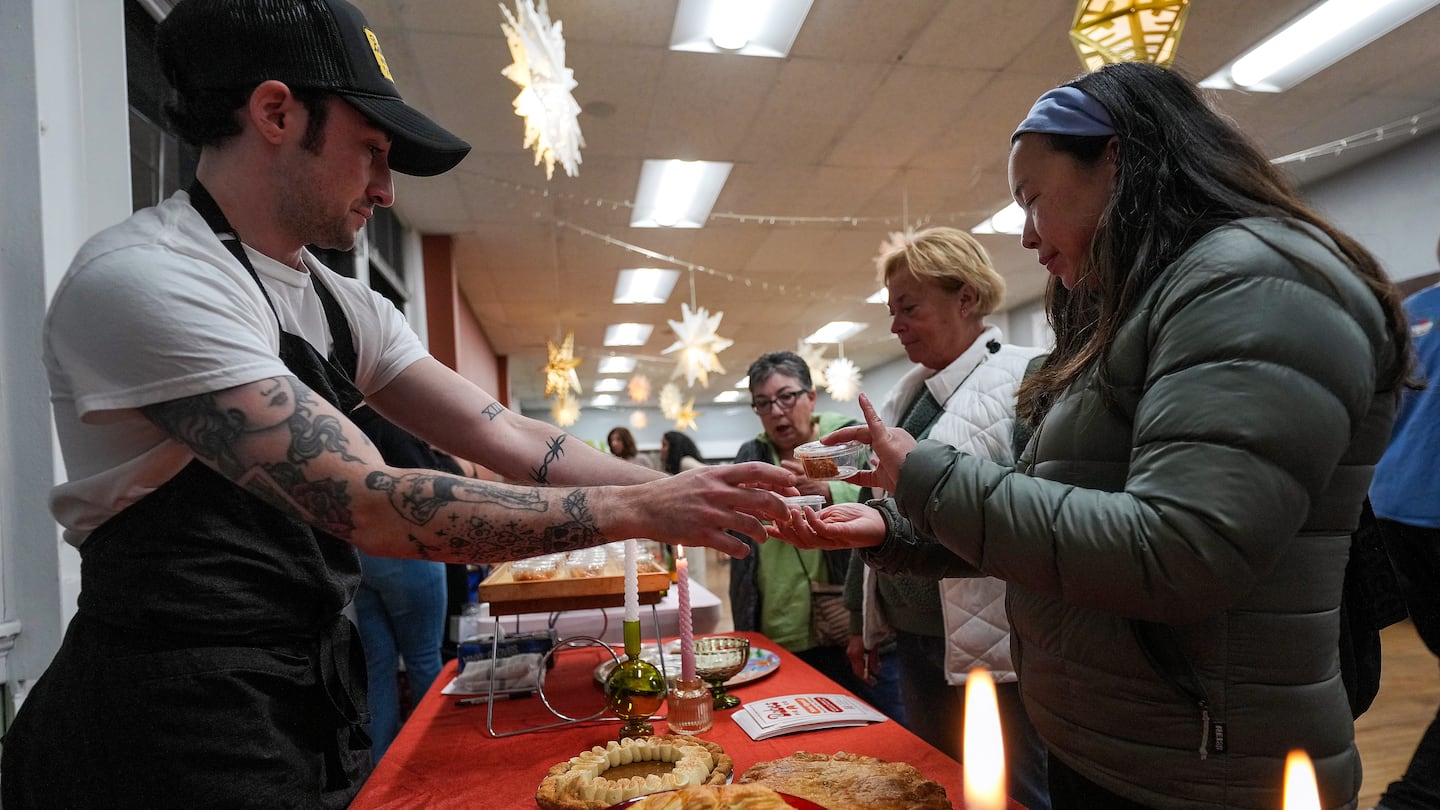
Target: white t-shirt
156,309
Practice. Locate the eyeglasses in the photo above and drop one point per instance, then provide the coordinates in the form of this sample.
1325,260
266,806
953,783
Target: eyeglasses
785,399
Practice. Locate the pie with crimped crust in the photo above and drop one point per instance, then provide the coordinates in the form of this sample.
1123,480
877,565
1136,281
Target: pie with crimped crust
844,781
603,776
714,797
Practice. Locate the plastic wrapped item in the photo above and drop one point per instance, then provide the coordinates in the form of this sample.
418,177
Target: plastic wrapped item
586,562
536,568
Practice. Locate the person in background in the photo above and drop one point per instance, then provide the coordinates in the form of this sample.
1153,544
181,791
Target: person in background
961,392
622,445
770,591
1406,498
1174,538
678,453
400,605
202,365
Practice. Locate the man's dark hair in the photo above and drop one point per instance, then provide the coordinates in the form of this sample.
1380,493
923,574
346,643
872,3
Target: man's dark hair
207,117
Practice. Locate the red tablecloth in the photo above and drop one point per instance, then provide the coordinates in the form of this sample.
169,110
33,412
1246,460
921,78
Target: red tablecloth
444,757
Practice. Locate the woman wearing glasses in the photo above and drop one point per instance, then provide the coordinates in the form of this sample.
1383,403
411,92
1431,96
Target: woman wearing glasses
770,589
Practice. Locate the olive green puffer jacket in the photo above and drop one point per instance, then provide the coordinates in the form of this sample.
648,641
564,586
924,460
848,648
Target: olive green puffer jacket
1204,520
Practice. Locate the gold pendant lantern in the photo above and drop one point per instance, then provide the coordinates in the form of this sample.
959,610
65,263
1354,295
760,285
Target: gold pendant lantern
1108,31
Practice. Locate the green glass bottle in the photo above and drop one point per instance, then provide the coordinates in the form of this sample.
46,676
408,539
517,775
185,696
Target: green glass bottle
635,689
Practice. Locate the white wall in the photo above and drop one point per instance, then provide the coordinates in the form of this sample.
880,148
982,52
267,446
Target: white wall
1391,204
66,171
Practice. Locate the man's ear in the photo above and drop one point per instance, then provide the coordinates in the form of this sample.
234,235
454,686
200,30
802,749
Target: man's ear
272,111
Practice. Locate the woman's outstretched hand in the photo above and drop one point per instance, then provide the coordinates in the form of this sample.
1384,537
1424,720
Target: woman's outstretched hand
888,447
844,525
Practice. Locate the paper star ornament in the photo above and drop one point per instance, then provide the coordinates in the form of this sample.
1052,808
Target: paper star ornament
560,376
698,345
670,400
552,116
814,356
566,411
842,379
639,388
685,419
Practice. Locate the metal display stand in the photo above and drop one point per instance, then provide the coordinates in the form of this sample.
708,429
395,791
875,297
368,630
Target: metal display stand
508,598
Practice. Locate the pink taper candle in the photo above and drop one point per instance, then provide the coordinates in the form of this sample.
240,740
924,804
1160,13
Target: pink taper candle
687,623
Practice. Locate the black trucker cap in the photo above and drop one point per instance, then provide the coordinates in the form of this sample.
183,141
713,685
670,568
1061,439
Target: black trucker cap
315,44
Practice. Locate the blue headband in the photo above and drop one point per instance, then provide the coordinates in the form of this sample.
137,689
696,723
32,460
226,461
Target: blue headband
1067,111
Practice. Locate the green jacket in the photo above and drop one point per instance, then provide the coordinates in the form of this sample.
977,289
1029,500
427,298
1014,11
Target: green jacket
1174,562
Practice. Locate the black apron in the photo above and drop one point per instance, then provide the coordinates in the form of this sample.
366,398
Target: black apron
208,664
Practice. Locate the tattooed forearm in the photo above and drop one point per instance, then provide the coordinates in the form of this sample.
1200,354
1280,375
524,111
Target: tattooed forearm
493,410
476,538
417,496
423,550
235,429
555,448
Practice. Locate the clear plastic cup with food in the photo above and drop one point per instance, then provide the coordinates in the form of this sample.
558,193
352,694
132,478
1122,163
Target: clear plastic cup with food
831,462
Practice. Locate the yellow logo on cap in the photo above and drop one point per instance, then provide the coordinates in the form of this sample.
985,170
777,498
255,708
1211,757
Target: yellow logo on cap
379,57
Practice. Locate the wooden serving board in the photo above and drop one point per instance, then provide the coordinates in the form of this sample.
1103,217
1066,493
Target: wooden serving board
508,597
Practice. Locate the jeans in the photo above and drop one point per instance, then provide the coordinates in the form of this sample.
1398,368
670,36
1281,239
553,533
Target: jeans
884,695
400,612
1415,553
935,713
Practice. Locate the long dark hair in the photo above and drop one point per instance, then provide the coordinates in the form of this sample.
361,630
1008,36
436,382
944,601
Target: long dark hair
627,442
1182,171
678,446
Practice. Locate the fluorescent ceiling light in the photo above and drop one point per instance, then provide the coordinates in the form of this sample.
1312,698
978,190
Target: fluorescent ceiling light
628,334
615,364
603,401
1312,42
729,396
608,384
645,285
744,27
836,332
744,382
677,193
1009,219
880,296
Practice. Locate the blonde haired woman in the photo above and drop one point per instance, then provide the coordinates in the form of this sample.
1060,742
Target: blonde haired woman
962,392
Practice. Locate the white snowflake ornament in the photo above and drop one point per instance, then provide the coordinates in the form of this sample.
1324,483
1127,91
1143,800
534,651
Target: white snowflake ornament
842,379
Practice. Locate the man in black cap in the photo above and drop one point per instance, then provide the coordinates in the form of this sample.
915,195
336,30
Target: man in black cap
202,364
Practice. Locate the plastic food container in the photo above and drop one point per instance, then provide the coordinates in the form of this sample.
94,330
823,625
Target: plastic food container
800,501
536,568
828,462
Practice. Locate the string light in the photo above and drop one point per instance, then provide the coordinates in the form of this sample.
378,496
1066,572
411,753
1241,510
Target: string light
1410,125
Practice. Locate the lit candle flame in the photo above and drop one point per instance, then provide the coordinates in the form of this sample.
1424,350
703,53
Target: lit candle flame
1300,790
984,748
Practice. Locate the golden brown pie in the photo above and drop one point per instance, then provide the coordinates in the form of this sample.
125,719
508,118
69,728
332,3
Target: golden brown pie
844,781
716,797
622,770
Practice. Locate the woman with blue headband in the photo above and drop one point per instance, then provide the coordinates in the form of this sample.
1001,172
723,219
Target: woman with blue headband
1174,537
